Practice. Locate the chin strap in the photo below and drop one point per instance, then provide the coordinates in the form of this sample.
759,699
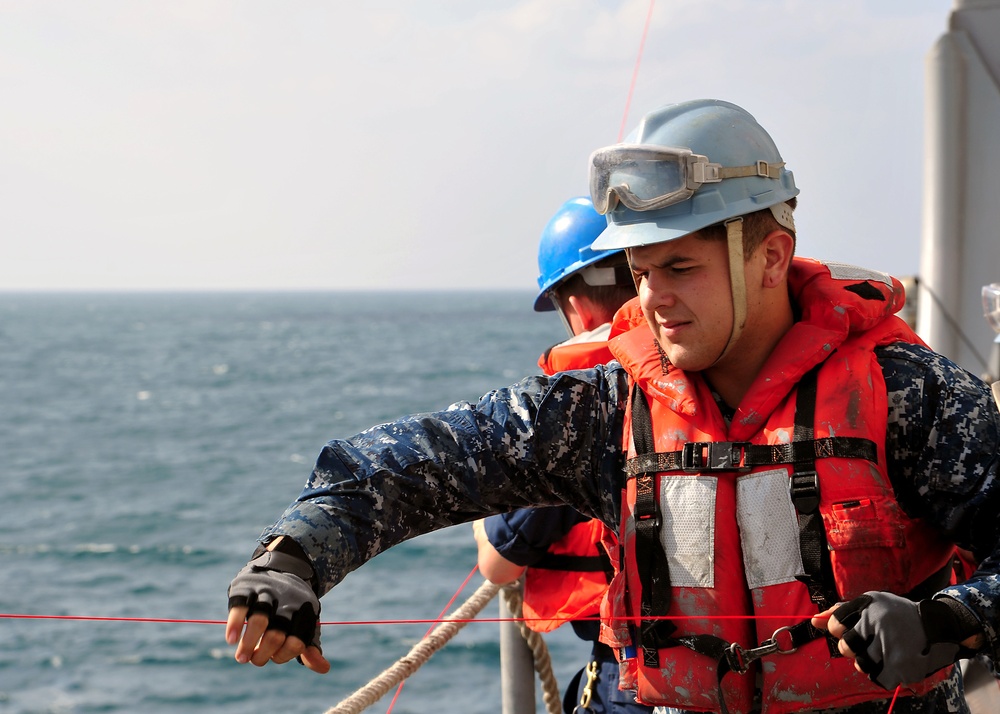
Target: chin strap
782,213
737,283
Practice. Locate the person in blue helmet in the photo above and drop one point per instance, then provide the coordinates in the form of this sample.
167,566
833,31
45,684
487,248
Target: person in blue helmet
787,467
560,552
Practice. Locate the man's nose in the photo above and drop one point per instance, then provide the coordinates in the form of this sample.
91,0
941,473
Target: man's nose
659,290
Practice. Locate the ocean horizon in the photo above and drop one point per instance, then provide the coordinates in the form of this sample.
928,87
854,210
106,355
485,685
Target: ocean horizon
151,436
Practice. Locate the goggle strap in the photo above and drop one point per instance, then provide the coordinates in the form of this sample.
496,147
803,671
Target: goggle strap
761,168
610,275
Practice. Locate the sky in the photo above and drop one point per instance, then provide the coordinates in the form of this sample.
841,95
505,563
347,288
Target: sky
391,144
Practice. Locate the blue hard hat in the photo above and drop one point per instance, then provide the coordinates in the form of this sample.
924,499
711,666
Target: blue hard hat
686,167
564,248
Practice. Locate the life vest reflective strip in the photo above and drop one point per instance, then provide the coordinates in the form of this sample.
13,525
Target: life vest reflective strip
696,577
570,581
710,490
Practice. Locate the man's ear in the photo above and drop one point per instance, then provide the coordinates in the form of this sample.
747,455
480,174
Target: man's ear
584,309
777,250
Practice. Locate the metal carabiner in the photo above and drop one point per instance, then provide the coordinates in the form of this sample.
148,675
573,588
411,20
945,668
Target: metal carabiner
741,658
588,690
774,639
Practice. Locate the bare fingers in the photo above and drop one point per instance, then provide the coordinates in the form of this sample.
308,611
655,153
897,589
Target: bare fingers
234,625
826,620
270,644
258,645
290,647
313,659
246,637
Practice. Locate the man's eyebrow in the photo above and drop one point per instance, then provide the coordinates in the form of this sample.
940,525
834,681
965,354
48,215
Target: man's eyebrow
670,260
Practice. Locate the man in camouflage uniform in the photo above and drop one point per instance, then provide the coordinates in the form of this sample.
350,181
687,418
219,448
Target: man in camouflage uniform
717,306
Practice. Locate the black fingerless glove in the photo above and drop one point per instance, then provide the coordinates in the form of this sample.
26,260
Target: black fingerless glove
278,584
898,641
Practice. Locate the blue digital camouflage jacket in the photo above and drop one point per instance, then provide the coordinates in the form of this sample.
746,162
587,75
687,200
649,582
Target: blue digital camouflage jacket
558,440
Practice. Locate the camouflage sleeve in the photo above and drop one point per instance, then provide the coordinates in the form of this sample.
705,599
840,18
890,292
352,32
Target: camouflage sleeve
543,441
942,451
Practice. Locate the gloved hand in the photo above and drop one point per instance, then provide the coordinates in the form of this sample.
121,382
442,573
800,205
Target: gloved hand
277,584
898,641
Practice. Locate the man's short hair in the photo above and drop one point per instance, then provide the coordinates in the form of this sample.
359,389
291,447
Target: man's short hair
756,226
607,297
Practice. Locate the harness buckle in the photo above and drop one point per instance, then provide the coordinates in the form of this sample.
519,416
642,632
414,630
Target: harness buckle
714,456
805,491
740,658
648,520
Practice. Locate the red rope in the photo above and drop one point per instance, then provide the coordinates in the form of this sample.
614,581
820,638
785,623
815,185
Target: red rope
434,621
893,702
635,70
345,623
8,616
430,629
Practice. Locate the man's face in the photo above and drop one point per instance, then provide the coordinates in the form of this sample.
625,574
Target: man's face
686,298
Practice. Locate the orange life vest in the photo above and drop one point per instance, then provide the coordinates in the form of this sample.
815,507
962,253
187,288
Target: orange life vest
738,533
570,581
575,354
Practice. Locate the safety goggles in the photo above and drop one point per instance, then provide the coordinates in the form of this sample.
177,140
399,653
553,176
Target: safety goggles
647,178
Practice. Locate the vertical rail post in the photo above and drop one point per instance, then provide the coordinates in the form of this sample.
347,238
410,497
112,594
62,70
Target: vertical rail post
517,666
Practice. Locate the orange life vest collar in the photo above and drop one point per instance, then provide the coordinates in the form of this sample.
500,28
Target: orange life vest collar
575,354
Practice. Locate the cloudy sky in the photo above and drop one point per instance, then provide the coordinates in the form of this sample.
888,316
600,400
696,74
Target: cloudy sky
224,144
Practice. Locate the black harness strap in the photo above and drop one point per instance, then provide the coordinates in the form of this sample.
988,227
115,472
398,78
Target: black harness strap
718,650
701,457
651,560
742,456
730,657
818,577
574,563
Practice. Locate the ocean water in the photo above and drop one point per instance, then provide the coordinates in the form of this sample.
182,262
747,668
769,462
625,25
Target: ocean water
147,439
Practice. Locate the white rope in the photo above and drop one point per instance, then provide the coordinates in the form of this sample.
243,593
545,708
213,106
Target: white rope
539,650
420,653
